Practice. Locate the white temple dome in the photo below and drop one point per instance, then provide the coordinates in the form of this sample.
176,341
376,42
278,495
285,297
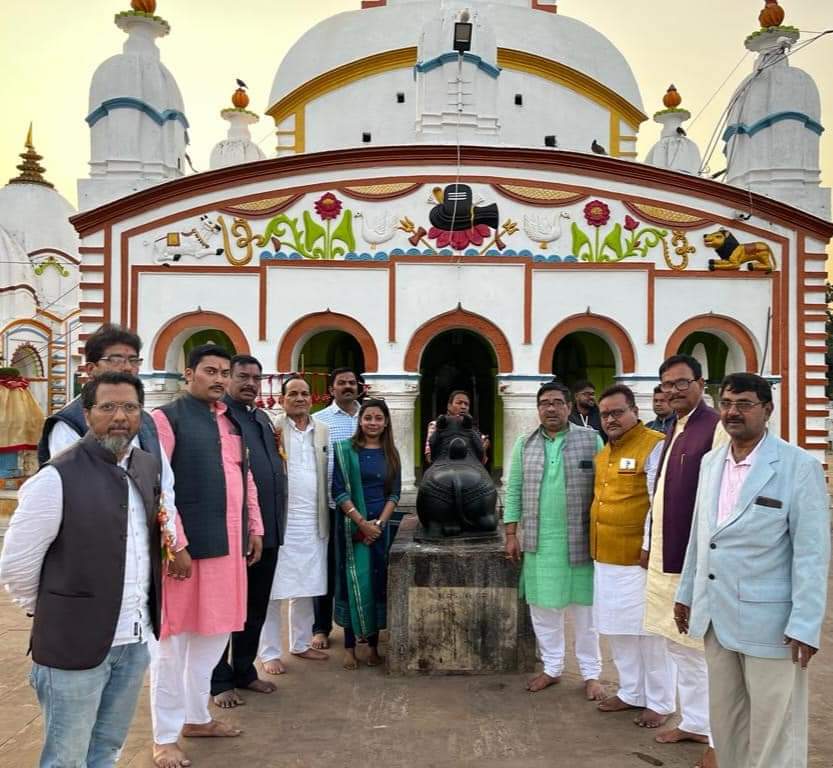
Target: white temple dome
238,146
17,279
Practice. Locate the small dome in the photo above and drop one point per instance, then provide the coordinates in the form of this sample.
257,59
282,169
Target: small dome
674,150
17,280
237,147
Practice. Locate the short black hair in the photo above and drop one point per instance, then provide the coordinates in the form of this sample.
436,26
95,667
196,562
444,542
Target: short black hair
583,384
89,391
458,392
292,377
619,389
206,350
658,390
553,386
691,362
106,336
748,382
245,360
343,369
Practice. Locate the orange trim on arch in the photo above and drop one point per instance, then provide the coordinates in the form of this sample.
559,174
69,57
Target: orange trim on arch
327,321
604,326
459,319
196,320
710,324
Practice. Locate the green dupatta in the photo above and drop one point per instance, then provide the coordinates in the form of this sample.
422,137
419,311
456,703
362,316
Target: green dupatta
357,556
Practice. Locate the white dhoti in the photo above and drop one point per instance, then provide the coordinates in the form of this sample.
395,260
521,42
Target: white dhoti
646,672
301,617
548,624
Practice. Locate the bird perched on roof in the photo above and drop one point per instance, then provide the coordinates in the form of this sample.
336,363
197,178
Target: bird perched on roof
598,148
241,84
681,131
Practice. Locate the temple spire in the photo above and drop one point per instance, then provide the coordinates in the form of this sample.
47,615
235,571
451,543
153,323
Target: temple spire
30,169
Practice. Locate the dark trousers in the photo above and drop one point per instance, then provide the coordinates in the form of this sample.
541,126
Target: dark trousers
323,604
236,668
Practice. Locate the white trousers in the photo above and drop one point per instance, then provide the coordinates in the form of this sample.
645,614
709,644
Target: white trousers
758,708
647,677
301,619
548,624
180,682
692,687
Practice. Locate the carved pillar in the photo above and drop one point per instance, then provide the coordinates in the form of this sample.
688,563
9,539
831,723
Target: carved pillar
520,414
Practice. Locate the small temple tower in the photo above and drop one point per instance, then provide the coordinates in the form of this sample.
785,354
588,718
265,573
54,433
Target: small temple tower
674,150
138,128
238,146
774,124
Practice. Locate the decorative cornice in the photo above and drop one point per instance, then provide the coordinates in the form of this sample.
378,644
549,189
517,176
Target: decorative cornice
766,122
451,56
129,102
411,158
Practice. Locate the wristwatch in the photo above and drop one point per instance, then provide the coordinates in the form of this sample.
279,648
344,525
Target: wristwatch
379,523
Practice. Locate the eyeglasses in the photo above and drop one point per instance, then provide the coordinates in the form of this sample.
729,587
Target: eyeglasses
681,385
544,404
130,409
133,360
615,414
743,406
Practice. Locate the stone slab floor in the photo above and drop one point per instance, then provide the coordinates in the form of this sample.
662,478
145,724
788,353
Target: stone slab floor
322,716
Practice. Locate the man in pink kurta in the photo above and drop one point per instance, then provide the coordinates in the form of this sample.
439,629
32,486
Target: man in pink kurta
219,533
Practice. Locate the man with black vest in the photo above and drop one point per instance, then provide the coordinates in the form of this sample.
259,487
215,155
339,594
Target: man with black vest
236,669
82,555
220,528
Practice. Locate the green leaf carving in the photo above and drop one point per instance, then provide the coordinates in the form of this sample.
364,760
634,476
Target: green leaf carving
313,232
344,234
580,240
614,242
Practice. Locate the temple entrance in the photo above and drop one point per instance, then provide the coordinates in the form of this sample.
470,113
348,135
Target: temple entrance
715,356
459,359
207,336
321,354
584,355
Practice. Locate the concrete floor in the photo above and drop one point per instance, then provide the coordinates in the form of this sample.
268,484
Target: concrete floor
323,716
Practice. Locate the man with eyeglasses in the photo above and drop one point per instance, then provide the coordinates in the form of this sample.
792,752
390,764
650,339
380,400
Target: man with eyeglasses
549,494
625,472
236,667
754,581
667,530
82,555
221,533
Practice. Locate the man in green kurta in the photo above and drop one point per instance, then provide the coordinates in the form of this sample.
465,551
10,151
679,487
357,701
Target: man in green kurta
549,495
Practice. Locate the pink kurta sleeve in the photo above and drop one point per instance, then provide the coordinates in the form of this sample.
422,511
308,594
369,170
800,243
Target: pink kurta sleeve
167,440
255,520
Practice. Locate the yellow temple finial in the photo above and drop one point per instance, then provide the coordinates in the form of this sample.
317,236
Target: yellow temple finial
31,172
672,98
772,15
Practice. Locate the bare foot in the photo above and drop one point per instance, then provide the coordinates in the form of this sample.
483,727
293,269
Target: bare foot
539,682
228,699
709,759
647,718
320,641
169,756
351,663
215,728
261,686
673,735
274,667
312,654
594,690
374,659
614,704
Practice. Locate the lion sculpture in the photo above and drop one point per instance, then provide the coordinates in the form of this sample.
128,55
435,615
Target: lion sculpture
757,256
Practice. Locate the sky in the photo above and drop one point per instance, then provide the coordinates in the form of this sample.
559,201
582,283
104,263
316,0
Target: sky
49,50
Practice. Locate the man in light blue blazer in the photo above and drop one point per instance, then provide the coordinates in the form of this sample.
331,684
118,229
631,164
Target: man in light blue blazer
754,583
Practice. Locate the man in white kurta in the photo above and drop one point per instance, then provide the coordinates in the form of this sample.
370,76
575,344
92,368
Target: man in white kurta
625,472
301,573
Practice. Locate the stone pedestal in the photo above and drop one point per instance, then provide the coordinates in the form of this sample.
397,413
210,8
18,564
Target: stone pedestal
453,608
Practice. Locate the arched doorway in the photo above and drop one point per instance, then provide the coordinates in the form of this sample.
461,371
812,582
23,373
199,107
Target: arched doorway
207,336
28,362
715,356
460,359
584,355
322,353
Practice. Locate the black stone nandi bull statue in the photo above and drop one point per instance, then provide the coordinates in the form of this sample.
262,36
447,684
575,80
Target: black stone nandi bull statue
456,495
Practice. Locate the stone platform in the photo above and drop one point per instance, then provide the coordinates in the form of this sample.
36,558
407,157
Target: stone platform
453,607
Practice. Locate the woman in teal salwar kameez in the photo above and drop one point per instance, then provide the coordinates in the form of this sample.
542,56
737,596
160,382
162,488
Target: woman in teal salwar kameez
366,488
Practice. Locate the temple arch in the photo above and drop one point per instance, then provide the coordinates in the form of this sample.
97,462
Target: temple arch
171,340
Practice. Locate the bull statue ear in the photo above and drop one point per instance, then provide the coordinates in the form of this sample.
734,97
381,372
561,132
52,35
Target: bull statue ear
466,421
442,422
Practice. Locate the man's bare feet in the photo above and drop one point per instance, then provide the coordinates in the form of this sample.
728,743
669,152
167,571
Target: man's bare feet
228,700
312,654
261,686
169,756
320,641
274,667
351,663
614,704
709,759
594,690
673,735
647,718
212,729
541,681
374,659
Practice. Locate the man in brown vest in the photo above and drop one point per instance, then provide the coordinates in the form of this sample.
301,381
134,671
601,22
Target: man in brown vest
82,556
625,472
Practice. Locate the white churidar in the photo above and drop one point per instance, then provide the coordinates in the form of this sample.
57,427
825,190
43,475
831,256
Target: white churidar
548,624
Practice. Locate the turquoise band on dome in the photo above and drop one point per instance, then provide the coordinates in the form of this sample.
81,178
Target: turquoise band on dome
766,122
128,102
444,58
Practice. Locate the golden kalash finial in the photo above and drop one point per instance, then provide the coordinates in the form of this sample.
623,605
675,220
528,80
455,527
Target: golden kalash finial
30,170
772,15
144,6
672,98
240,98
